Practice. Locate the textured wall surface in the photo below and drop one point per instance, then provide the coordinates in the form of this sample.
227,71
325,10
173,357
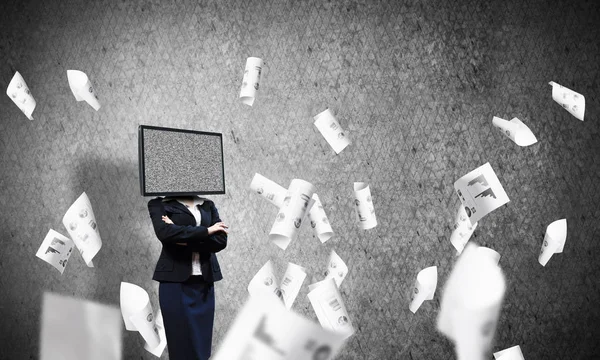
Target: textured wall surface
414,84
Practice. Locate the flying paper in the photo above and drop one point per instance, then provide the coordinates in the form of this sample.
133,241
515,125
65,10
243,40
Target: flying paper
318,220
268,189
480,192
337,269
137,313
572,101
462,230
329,307
490,253
554,240
471,304
424,287
80,222
82,88
296,204
251,79
512,353
331,130
265,330
19,93
292,282
75,329
365,209
264,282
56,250
515,130
158,350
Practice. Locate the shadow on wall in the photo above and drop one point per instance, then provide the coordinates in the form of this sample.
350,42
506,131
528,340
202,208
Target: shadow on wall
129,246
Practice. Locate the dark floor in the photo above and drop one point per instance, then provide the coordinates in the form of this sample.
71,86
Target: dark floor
415,84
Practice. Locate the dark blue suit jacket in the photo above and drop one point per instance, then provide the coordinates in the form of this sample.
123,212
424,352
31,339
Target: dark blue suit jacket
175,261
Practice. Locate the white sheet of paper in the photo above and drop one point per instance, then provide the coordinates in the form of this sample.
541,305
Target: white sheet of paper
75,329
82,88
137,313
56,250
463,229
319,221
365,210
265,330
264,282
491,253
251,80
425,286
512,353
19,93
337,269
296,204
331,130
329,307
293,278
80,222
554,240
471,304
515,130
480,192
158,350
268,189
570,100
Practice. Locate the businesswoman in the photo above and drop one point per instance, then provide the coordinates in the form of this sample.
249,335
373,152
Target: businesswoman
191,232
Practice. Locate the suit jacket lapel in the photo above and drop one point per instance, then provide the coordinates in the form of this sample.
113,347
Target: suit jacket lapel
204,215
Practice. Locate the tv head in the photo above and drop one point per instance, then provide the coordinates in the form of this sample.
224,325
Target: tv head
177,162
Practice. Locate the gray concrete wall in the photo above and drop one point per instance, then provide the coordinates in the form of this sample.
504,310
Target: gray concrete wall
414,83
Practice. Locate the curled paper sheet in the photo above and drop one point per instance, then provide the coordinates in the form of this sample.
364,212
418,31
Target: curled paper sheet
268,189
56,250
463,229
337,269
318,220
554,240
490,253
296,204
480,192
424,287
158,350
82,88
292,282
329,307
251,79
19,93
572,101
74,329
471,304
264,282
331,130
80,222
512,353
137,313
265,330
515,130
365,210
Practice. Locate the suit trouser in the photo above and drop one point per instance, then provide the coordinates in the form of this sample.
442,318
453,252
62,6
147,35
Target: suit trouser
188,311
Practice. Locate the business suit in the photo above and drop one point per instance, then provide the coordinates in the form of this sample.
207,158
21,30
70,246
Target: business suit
187,302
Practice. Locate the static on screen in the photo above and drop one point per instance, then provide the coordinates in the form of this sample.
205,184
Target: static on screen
180,162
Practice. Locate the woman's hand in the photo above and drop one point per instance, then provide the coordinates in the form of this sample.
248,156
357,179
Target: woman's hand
220,226
166,219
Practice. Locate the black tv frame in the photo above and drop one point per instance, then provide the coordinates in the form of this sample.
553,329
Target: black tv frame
141,165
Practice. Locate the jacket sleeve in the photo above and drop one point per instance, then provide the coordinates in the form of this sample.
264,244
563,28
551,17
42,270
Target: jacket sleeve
171,233
220,238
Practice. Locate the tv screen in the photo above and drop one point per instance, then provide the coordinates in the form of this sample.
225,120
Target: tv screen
175,162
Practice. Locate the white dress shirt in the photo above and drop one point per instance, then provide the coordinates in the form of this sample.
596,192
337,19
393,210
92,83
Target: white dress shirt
196,212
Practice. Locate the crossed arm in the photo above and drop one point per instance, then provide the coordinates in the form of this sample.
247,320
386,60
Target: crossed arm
210,239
